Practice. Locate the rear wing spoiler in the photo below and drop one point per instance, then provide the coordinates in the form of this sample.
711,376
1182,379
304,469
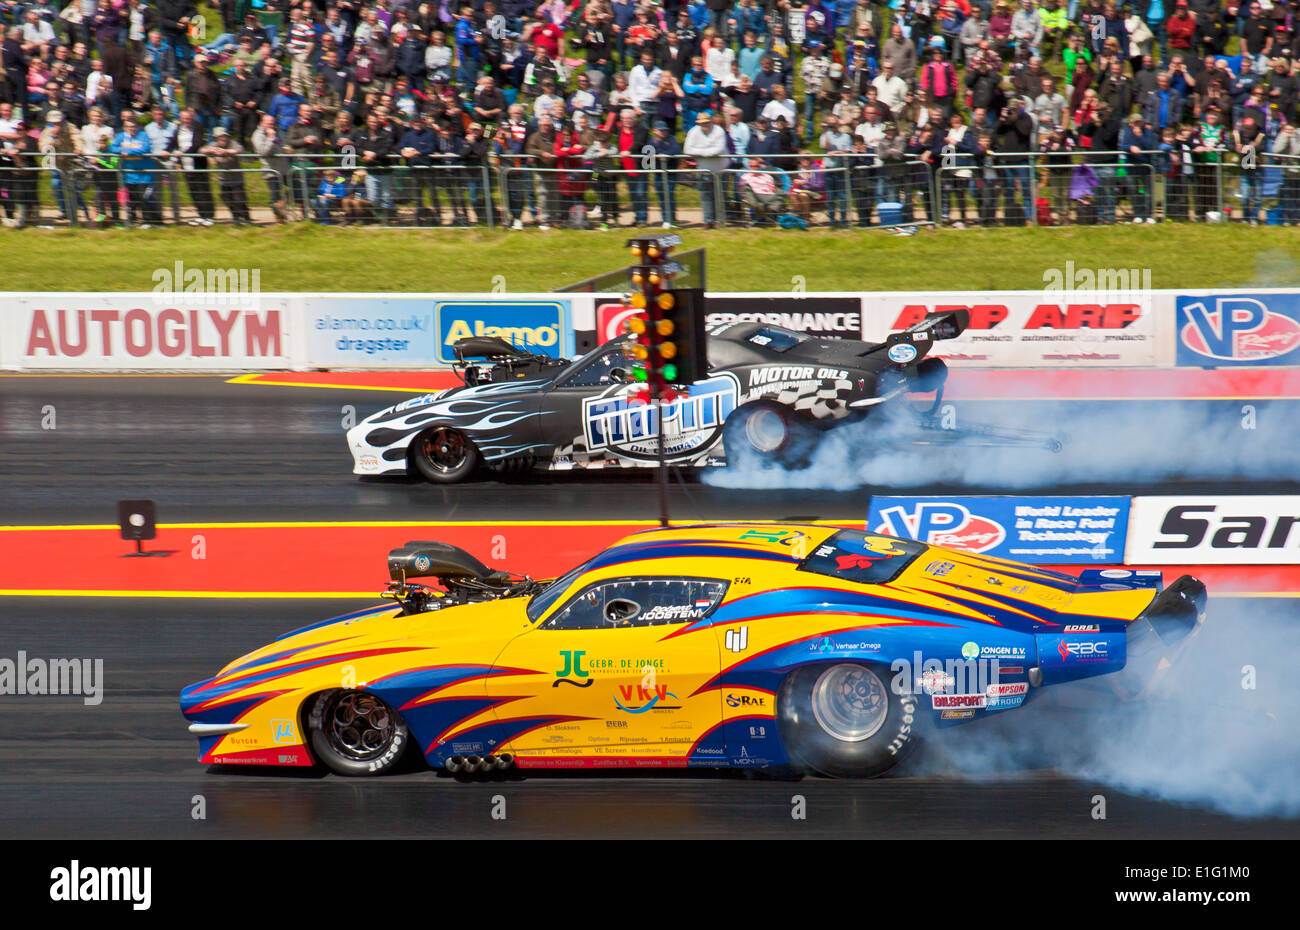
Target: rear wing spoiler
920,336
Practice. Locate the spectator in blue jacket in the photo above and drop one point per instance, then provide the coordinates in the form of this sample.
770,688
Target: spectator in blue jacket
698,85
137,167
329,196
469,49
284,105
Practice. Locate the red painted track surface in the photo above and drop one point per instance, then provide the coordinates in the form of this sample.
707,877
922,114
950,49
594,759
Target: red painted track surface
348,560
967,384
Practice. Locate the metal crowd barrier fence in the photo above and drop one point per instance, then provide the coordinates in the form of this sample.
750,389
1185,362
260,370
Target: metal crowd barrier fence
404,195
857,189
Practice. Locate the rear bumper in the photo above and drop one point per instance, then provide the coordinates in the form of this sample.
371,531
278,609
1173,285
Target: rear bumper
1159,636
1177,611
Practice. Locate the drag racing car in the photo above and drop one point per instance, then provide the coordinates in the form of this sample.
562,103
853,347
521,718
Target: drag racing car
803,648
767,390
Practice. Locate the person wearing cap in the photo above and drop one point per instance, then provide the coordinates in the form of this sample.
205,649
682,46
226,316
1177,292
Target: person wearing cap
1181,28
1137,142
707,144
667,152
224,152
58,137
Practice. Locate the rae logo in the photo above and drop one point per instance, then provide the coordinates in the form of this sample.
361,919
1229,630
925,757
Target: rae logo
738,640
282,731
693,423
942,523
535,325
1237,329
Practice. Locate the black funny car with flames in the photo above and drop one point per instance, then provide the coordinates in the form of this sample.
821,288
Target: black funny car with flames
766,391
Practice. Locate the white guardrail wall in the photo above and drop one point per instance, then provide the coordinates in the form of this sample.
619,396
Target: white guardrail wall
237,328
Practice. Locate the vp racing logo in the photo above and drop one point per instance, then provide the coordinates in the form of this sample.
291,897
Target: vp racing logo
942,523
692,424
1238,329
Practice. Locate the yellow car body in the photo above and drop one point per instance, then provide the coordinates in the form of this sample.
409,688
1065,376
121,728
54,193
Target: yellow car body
573,677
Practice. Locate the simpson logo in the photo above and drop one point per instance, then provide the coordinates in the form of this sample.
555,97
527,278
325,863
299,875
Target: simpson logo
942,523
1010,689
1243,330
957,701
694,423
538,326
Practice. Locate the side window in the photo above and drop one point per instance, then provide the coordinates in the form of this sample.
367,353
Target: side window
601,370
628,602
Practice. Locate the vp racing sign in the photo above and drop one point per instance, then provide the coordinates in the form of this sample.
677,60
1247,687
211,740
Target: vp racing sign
692,424
1243,329
1041,530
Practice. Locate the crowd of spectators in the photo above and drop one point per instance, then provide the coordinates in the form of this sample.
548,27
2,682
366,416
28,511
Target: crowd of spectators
824,106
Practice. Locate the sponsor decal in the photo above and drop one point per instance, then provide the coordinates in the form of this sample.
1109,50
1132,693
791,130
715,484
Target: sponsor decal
901,353
939,569
956,714
473,746
744,700
1244,329
1112,328
758,732
943,701
611,318
737,640
572,671
1083,651
282,731
1048,530
1008,689
1215,530
693,423
1081,628
650,698
127,335
970,651
936,681
538,326
671,612
826,317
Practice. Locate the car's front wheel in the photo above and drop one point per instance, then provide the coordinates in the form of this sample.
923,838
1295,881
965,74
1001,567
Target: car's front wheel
444,455
845,721
355,733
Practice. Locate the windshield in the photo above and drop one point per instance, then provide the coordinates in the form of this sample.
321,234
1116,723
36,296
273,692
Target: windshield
861,557
776,339
544,599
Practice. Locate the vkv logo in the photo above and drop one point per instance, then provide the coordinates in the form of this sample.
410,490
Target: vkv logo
1237,329
942,523
691,423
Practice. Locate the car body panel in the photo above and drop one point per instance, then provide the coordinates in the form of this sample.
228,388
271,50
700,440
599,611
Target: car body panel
695,682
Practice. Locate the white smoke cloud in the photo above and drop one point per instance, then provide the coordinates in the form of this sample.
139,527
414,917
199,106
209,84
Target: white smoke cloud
1201,739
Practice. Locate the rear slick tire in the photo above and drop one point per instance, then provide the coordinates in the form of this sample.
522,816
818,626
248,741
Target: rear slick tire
843,720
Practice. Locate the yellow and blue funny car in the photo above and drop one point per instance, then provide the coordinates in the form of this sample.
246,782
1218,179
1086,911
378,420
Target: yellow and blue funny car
786,647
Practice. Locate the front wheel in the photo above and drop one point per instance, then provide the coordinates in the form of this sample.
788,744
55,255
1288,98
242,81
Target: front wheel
844,720
444,455
355,733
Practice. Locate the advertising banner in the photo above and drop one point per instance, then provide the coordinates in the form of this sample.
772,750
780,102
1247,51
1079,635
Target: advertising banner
1039,530
1215,530
1237,330
144,331
1022,329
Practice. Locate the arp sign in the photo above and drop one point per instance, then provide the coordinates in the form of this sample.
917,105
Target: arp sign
1248,329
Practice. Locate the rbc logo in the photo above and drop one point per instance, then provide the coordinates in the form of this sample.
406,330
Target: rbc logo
942,523
1238,329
